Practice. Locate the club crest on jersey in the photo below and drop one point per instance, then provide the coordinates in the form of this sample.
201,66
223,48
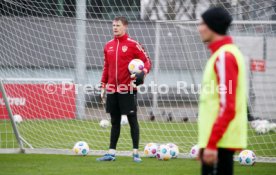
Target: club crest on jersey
124,48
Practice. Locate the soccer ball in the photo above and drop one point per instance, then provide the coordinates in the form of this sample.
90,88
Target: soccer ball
81,148
247,157
174,151
150,150
258,122
272,127
124,120
255,123
194,151
262,128
17,119
163,153
135,66
104,123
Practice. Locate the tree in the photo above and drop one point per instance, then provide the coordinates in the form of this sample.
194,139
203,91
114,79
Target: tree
171,9
188,9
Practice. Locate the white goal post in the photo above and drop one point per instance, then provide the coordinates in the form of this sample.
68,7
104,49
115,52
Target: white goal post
51,62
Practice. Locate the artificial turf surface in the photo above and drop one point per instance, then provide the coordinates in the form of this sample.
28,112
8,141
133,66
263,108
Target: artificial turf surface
36,164
62,134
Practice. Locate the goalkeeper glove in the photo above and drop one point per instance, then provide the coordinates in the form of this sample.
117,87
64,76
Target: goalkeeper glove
138,78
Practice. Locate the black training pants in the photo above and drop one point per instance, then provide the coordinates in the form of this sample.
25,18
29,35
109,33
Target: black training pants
118,104
224,165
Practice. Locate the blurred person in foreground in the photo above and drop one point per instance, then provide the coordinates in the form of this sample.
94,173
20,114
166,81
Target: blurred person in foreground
222,122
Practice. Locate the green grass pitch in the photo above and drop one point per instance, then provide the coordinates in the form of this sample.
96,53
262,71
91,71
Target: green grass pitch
63,134
20,164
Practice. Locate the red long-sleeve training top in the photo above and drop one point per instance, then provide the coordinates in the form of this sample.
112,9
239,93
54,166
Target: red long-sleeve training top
118,52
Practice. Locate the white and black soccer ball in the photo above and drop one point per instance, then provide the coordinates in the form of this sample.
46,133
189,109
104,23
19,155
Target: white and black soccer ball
174,150
247,157
135,66
81,148
17,118
104,123
163,153
194,152
124,120
150,150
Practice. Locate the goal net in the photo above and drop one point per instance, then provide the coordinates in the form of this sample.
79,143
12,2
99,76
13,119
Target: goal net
51,61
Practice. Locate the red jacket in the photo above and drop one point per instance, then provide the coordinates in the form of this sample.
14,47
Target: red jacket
118,52
225,75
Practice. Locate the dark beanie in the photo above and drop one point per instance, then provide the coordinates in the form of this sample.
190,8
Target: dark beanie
217,19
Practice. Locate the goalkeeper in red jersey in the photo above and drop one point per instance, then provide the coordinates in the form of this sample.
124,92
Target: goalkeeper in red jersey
117,83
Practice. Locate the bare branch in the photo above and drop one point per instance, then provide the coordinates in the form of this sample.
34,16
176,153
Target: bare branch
194,3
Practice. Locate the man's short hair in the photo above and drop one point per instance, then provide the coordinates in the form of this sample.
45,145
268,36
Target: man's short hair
121,18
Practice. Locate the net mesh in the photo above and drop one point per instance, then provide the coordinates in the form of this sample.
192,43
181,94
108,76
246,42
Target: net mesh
41,60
